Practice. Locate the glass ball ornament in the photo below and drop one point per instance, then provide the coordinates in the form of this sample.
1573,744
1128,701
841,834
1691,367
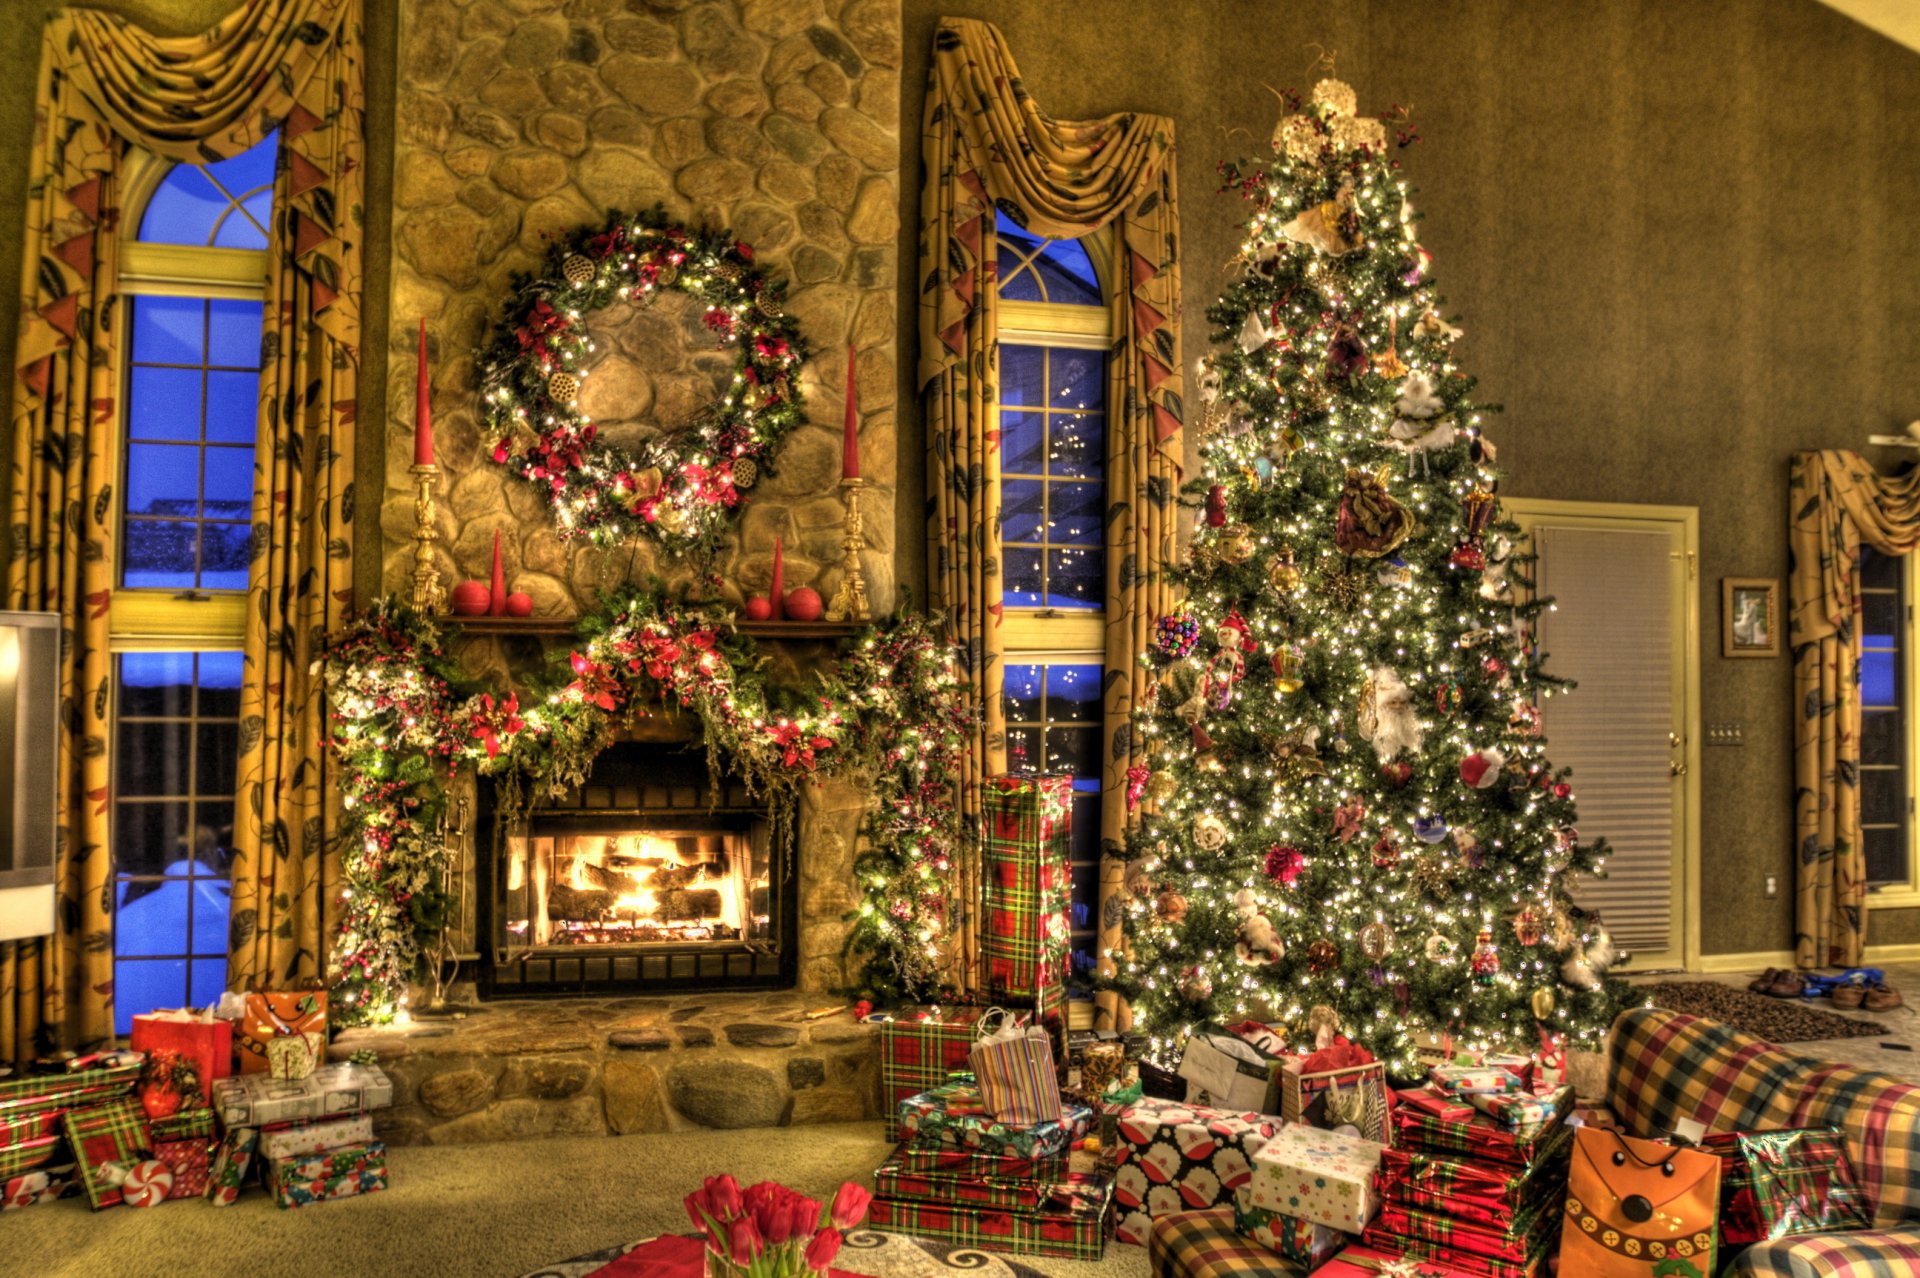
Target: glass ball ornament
1322,956
1195,985
1170,906
1440,948
1176,635
1161,787
1376,941
1529,926
1543,1003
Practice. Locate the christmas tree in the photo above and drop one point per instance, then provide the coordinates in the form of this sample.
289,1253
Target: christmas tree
1349,802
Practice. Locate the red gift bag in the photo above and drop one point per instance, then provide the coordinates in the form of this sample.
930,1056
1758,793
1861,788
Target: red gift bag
207,1043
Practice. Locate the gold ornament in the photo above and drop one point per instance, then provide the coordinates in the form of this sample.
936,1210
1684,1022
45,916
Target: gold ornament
746,473
668,274
563,387
1236,544
1433,875
1286,668
578,270
1344,590
1440,948
1282,573
1376,941
1543,1003
1161,787
1529,926
1170,906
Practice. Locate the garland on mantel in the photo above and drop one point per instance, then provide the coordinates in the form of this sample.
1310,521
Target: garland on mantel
893,713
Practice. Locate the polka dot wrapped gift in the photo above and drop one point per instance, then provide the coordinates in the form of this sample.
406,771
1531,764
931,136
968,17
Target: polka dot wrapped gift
1325,1177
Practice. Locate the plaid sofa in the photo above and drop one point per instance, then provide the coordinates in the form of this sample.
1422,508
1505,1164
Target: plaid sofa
1204,1244
1662,1067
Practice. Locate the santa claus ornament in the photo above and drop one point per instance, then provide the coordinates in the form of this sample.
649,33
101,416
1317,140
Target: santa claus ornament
1481,769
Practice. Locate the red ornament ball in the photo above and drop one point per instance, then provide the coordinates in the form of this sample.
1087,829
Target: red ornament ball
804,604
519,604
757,609
472,599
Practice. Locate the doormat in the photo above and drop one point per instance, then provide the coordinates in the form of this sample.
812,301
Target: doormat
1778,1020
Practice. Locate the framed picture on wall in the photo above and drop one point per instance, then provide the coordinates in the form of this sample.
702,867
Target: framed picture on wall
1750,617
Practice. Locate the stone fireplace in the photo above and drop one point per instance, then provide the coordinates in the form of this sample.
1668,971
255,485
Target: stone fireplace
649,877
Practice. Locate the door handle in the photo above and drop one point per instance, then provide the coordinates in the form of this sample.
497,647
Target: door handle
1677,769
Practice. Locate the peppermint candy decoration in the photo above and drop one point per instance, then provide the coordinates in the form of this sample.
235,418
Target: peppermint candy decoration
147,1184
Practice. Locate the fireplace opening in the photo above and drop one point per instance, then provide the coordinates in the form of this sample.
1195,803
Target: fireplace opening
643,879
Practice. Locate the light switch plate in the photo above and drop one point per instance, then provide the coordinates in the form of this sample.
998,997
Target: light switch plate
1732,733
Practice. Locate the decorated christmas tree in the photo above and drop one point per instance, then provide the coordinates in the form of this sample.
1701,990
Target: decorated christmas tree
1350,803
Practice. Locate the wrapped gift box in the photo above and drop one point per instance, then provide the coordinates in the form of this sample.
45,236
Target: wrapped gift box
184,1142
196,1036
1019,1193
36,1094
316,1136
267,1016
1322,1176
26,1155
1029,823
965,1162
1076,1230
1813,1190
1493,1194
1523,1113
1300,1241
42,1185
1463,1079
1175,1158
1515,1241
1478,1137
1455,1260
1368,1261
953,1115
918,1056
24,1127
113,1133
254,1100
337,1173
230,1165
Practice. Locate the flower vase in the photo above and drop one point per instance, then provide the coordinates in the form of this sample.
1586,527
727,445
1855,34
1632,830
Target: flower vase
719,1266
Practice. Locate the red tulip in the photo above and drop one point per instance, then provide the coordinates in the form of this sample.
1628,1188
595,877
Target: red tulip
824,1247
803,1217
724,1192
850,1205
697,1208
745,1237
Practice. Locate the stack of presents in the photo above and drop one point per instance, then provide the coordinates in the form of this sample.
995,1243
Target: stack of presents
1252,1159
203,1104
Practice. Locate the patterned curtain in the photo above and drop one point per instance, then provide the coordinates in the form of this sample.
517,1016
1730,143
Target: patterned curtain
988,148
1837,504
106,87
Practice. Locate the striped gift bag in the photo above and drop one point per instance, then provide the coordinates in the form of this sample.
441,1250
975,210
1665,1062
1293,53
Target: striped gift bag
1014,1068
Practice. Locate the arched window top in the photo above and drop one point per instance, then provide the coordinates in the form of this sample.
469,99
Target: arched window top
1039,270
228,204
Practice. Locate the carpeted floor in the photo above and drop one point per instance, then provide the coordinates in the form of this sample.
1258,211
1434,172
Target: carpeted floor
476,1211
1778,1020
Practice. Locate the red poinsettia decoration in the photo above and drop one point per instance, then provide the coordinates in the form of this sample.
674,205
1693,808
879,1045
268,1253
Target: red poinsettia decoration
491,721
594,683
799,746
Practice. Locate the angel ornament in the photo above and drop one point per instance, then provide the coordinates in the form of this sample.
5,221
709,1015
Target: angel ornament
1386,715
1319,228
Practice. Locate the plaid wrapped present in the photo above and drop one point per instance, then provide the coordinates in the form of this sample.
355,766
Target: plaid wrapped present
1492,1194
1478,1137
1029,822
1015,1193
37,1093
1525,1114
941,1160
1780,1184
1204,1244
954,1115
113,1133
25,1127
184,1143
337,1173
918,1056
25,1155
1663,1067
1516,1241
1369,1261
230,1165
1076,1230
1298,1240
1178,1158
253,1100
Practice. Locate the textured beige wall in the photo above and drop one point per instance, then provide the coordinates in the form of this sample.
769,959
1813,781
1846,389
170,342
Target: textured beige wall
1681,238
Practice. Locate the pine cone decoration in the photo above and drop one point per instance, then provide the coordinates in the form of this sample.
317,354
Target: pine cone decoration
768,305
746,473
578,270
563,387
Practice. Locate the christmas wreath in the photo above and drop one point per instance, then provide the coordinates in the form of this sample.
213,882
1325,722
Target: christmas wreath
677,488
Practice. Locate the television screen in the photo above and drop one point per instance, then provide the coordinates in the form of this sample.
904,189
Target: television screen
29,753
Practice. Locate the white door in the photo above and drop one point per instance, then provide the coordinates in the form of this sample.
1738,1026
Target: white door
1623,627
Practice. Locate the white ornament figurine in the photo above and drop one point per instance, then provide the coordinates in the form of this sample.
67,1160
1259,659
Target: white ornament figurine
1395,726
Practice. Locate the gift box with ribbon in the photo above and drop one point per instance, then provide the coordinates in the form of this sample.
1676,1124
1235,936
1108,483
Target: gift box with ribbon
197,1036
1461,1080
1175,1157
316,1136
291,1057
949,1161
1326,1177
891,1180
920,1051
1484,1193
26,1155
254,1100
1529,1233
1777,1184
1300,1241
1364,1260
268,1015
1029,824
954,1115
1525,1114
337,1173
32,1096
1076,1229
230,1165
1477,1136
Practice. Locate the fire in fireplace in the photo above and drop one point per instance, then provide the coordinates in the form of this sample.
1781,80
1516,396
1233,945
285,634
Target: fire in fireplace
642,879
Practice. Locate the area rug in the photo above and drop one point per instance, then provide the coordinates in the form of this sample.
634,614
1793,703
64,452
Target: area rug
1778,1020
867,1253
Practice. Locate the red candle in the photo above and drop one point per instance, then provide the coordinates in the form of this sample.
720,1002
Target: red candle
775,594
850,434
497,600
423,409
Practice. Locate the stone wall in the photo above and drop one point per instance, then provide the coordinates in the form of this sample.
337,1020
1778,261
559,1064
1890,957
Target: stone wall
520,119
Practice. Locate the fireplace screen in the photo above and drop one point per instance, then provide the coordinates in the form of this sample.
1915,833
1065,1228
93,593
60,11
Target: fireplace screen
665,885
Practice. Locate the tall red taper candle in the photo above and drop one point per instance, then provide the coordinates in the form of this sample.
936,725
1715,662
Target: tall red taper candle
423,409
850,434
776,594
497,602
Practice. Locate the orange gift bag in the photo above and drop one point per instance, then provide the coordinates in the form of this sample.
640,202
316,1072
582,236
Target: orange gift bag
1636,1208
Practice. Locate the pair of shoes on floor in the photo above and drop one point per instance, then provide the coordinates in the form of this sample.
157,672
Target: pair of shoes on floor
1877,997
1764,982
1778,982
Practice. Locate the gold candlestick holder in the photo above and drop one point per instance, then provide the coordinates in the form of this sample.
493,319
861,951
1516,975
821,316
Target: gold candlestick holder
850,600
427,591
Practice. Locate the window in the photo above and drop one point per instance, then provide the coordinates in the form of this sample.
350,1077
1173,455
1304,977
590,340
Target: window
1054,335
194,281
1887,654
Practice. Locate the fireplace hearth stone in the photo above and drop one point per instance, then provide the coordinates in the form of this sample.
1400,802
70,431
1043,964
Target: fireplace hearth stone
528,1068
